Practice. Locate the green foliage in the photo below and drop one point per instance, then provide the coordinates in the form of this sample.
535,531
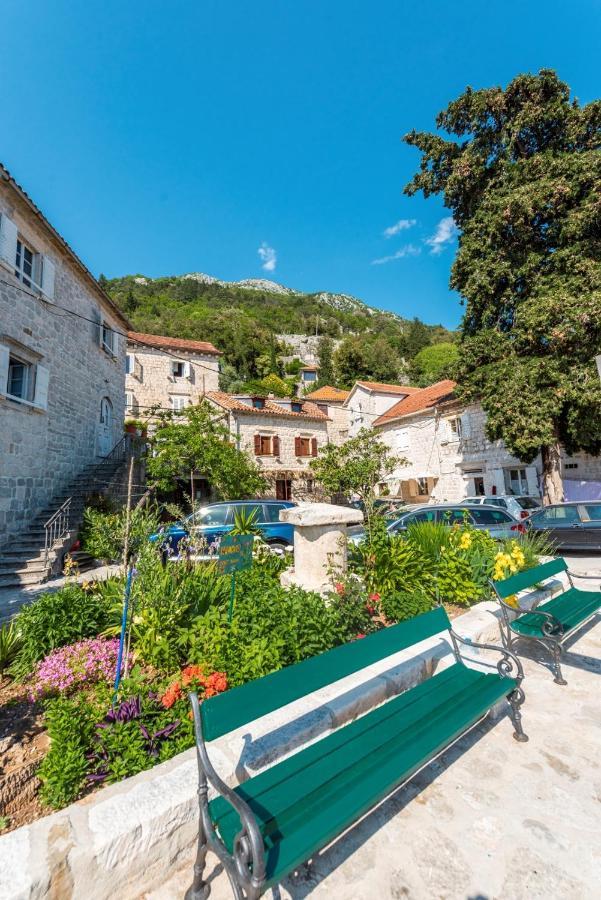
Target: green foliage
401,605
103,533
245,521
270,384
388,563
11,642
355,467
70,724
201,443
434,363
54,620
521,177
325,354
373,357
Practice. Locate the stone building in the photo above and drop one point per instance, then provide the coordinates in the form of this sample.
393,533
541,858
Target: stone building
62,362
167,373
331,401
370,399
282,435
450,457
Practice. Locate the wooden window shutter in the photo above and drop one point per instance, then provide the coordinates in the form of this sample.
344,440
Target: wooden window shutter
297,446
8,240
276,445
257,444
42,377
412,487
47,279
314,446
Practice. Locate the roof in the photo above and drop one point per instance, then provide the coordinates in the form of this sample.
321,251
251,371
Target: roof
381,388
163,342
418,401
328,394
6,177
309,368
271,408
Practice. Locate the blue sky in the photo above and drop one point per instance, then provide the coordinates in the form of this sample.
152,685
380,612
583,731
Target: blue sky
262,139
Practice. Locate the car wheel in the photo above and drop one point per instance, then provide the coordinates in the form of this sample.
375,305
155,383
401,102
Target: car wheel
278,545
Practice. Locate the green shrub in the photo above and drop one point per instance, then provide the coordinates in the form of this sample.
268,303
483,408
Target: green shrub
406,604
54,620
10,644
103,533
70,724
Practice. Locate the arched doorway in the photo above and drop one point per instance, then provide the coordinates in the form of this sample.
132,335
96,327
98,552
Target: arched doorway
105,427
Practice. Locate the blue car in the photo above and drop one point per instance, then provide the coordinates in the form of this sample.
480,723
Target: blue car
213,521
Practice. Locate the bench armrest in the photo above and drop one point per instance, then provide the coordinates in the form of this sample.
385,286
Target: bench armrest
247,862
505,666
551,627
580,575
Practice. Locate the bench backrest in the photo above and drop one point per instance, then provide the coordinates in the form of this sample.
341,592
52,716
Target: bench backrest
234,708
516,583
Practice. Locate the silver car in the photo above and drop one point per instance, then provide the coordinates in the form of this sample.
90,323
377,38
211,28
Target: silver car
520,507
499,523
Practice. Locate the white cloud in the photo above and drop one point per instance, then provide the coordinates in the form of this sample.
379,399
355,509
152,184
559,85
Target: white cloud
405,250
268,257
446,230
401,225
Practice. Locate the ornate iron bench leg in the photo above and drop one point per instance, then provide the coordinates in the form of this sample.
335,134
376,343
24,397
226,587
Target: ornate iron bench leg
557,650
516,698
199,889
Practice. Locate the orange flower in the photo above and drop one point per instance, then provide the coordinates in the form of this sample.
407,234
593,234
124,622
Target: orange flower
190,673
171,695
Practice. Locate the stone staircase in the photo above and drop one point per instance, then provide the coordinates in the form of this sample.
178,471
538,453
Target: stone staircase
24,559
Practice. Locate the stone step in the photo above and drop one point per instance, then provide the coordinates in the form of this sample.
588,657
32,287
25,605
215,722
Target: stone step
17,567
17,580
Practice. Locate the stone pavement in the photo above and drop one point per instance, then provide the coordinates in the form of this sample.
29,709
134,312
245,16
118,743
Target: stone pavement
490,820
12,599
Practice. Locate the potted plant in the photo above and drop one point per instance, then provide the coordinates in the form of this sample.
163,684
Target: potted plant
130,426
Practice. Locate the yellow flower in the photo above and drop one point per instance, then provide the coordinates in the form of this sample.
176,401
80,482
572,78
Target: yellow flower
466,541
512,601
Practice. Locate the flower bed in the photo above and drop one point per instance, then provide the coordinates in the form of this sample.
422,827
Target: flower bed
65,645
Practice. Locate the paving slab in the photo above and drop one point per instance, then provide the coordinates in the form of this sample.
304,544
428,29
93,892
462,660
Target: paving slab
12,599
491,819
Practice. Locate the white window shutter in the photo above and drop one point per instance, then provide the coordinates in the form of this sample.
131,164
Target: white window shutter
137,372
465,426
4,355
115,347
8,240
187,370
47,279
42,376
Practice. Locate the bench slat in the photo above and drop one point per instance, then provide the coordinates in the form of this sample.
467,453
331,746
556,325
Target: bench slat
570,608
523,580
238,706
308,799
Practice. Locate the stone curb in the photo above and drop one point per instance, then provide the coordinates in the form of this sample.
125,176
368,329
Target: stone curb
129,837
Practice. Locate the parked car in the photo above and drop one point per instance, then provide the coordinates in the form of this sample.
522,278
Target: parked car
498,522
519,507
213,521
571,526
391,509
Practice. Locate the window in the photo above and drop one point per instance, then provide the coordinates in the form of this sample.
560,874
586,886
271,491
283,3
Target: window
129,364
297,407
21,379
304,446
490,516
528,502
179,402
24,264
479,485
309,376
556,516
593,511
456,516
283,488
516,481
258,402
267,445
129,401
108,338
322,407
309,485
178,369
422,487
213,515
454,428
426,515
571,466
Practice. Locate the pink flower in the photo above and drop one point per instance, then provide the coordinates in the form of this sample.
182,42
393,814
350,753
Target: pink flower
85,662
339,588
375,597
358,636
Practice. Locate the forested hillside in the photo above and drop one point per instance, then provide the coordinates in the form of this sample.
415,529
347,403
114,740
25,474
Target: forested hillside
244,319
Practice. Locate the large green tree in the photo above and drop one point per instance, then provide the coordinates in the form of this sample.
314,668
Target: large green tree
433,363
522,176
196,442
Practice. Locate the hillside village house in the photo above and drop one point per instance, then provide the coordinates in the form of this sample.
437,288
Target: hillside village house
450,457
167,373
62,359
331,401
282,435
370,399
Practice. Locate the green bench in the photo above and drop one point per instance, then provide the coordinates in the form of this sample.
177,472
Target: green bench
550,623
277,820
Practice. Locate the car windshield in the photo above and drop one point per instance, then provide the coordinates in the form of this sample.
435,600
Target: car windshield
527,502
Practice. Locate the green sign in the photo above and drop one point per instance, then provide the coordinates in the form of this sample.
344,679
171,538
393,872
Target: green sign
235,553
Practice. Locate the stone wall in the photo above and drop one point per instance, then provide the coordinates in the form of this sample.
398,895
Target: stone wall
152,382
42,449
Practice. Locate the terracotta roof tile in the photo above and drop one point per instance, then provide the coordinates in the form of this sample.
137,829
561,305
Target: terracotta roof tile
161,341
271,408
422,398
388,388
327,394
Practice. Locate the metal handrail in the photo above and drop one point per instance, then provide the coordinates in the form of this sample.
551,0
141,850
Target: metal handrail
56,527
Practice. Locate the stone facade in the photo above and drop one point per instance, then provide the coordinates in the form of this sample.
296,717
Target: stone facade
449,458
62,362
368,400
288,471
170,376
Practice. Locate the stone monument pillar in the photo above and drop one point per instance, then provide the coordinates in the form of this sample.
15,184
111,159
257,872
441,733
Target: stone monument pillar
319,543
